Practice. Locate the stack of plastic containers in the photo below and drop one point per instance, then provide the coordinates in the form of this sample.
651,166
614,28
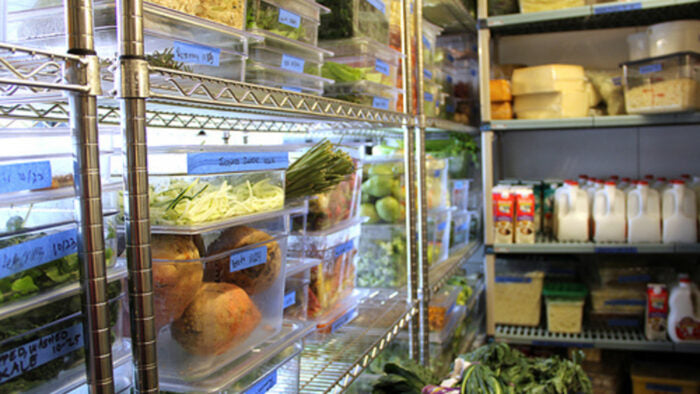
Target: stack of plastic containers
288,57
41,321
461,216
431,72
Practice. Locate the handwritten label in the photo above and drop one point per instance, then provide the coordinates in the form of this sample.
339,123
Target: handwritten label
450,58
264,385
462,227
248,258
343,320
426,43
292,88
449,79
562,344
344,248
25,176
512,279
622,249
641,278
382,67
292,63
442,226
458,185
289,18
617,81
450,108
622,322
664,388
38,251
625,302
428,97
30,355
219,162
196,54
289,299
378,4
650,68
428,74
380,103
608,9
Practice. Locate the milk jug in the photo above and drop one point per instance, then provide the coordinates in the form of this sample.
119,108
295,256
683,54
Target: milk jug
695,185
632,185
660,185
571,212
583,180
615,178
679,213
624,184
609,214
643,214
684,312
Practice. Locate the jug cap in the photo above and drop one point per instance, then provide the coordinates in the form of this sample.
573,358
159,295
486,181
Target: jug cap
648,176
626,180
583,176
678,182
615,177
643,183
685,176
661,178
610,183
598,180
570,182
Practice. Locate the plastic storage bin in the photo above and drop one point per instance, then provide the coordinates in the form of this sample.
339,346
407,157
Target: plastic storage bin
288,57
277,77
293,19
437,186
656,378
430,98
356,18
460,228
367,93
240,270
370,60
383,191
618,300
429,37
548,5
382,256
460,193
518,298
674,37
441,306
439,235
296,296
233,14
662,84
564,306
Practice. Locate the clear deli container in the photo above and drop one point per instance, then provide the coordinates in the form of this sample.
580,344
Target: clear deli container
460,193
343,313
439,223
289,55
662,84
371,61
429,37
431,95
518,298
460,229
298,81
240,270
382,257
195,187
383,190
367,93
565,302
437,186
293,19
296,296
356,18
441,306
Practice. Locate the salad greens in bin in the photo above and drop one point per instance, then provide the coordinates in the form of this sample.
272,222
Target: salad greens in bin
354,18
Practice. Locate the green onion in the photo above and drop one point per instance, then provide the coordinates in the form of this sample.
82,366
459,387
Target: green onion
318,170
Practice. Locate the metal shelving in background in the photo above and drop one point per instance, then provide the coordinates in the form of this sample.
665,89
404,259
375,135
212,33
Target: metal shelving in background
441,271
593,122
591,248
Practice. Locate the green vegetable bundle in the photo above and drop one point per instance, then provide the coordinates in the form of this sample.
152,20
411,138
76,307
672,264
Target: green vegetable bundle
318,170
407,377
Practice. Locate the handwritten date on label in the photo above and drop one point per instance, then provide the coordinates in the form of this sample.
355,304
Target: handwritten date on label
380,103
344,248
345,319
289,299
196,54
608,9
248,258
426,43
651,68
382,67
428,74
264,385
30,355
25,176
38,251
378,4
289,18
292,63
220,162
428,97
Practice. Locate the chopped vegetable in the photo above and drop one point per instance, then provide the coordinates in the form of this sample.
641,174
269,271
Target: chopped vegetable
318,170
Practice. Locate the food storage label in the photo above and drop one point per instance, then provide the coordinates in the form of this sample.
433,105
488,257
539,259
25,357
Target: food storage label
663,388
650,68
428,97
641,278
248,258
289,299
625,302
458,185
378,4
292,63
426,43
222,162
196,54
381,66
608,9
615,249
442,226
449,79
343,248
428,74
449,108
292,89
347,317
30,355
264,385
38,251
289,18
462,227
25,176
380,102
513,279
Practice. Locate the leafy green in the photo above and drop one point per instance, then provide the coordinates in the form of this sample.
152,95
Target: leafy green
342,73
406,376
348,20
266,17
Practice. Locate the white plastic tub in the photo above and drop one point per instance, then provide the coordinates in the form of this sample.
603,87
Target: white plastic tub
674,37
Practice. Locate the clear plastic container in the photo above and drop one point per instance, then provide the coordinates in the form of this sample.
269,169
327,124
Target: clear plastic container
441,306
343,313
444,336
383,191
300,82
460,228
618,300
518,298
673,37
548,5
382,258
662,84
429,37
437,186
430,98
231,13
365,93
315,244
40,260
439,223
369,60
288,56
296,296
293,19
238,269
196,187
460,193
356,18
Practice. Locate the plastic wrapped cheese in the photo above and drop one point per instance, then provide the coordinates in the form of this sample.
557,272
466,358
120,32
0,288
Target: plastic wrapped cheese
548,78
501,110
500,90
566,104
548,5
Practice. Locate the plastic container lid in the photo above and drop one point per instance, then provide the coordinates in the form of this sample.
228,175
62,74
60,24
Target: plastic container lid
567,290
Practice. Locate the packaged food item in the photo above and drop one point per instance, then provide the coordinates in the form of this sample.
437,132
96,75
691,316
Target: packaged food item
548,78
652,378
548,5
662,84
461,221
436,185
294,19
679,213
367,93
500,90
340,203
460,193
230,13
656,312
503,210
643,214
564,306
441,306
684,315
673,37
618,300
355,18
360,58
571,213
518,298
608,84
296,296
383,191
564,104
287,58
382,256
429,38
439,223
430,96
524,215
501,110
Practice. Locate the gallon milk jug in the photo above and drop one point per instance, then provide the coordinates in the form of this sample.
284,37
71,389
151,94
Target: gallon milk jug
583,180
643,214
609,214
660,185
679,213
632,185
571,213
615,178
684,312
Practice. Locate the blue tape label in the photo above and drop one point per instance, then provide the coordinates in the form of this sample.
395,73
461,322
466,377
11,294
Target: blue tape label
426,43
462,227
38,251
196,54
641,278
428,74
562,344
344,248
289,18
292,89
343,320
289,299
608,9
664,388
378,4
25,176
512,279
625,302
442,226
458,185
428,97
292,63
650,68
380,103
450,108
621,249
617,81
30,355
623,323
221,162
264,385
449,79
248,258
450,58
382,67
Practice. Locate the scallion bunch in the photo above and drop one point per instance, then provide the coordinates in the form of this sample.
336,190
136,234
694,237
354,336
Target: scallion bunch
318,170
